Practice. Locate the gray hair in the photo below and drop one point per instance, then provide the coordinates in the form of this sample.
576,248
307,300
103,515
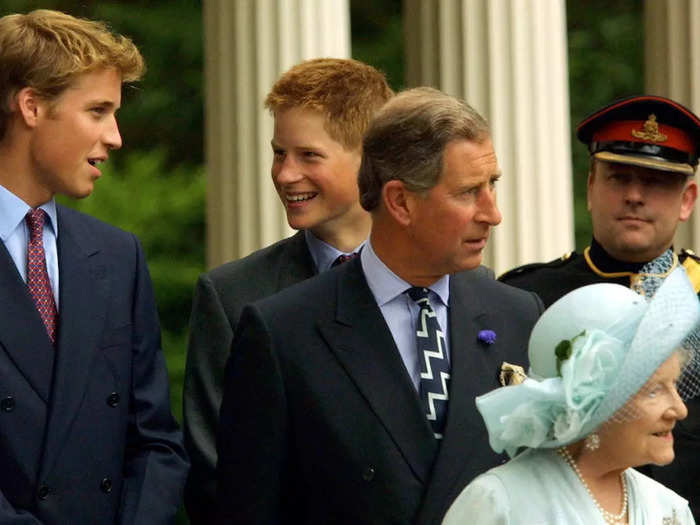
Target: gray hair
406,140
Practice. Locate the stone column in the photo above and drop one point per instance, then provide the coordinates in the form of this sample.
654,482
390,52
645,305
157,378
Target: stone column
507,59
248,43
672,57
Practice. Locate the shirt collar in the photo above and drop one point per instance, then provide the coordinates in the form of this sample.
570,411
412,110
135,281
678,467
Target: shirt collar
386,285
13,210
323,253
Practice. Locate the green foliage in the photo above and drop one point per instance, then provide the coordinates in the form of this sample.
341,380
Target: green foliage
167,107
165,209
606,62
377,37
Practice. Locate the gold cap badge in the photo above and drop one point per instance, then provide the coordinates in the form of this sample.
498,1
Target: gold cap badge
650,131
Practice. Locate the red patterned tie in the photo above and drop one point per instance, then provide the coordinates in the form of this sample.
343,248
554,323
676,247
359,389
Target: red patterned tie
37,276
342,258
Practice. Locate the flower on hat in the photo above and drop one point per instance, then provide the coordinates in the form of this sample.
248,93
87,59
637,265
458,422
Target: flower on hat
577,383
592,369
556,410
527,426
486,336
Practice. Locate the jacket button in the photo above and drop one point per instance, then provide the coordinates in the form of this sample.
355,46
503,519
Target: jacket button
106,485
43,492
113,399
368,474
7,404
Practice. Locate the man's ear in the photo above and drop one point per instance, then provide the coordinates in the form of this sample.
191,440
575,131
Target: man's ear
396,199
589,184
28,105
688,197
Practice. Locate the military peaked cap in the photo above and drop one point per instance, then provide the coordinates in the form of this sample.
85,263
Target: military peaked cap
647,131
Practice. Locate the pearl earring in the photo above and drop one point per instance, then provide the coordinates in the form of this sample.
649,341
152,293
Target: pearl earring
592,442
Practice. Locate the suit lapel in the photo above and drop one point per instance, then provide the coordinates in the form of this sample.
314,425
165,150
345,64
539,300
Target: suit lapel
83,300
297,265
22,332
363,344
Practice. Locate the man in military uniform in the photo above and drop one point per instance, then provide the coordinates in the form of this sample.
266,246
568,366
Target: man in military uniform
643,155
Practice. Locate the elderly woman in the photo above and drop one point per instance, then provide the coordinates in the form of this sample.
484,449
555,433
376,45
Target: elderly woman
608,372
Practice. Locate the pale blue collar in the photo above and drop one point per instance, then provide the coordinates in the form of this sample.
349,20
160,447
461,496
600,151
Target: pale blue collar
386,285
323,253
13,210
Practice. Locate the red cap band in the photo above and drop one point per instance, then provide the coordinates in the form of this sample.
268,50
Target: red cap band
634,131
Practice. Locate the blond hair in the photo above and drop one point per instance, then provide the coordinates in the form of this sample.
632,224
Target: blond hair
46,50
347,92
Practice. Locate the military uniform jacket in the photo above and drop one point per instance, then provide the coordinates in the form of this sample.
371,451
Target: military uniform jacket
556,278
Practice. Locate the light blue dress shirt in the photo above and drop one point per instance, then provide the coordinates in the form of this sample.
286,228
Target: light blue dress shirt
323,253
400,311
15,235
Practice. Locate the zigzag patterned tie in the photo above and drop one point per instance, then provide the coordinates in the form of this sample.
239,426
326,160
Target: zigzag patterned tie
37,276
434,366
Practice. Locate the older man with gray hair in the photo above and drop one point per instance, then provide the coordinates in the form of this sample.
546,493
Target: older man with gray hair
350,397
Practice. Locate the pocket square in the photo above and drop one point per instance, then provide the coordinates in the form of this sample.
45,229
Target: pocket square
511,374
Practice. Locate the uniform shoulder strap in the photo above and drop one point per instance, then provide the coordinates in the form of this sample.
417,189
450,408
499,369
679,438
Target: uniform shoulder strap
527,268
691,263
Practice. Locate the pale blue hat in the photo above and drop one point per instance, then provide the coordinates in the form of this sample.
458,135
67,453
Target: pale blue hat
590,352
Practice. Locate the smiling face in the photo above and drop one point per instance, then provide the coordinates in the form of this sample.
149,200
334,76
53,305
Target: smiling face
73,134
315,176
635,211
646,437
450,223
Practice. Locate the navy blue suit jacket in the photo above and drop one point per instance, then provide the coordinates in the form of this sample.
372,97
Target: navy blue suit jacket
86,432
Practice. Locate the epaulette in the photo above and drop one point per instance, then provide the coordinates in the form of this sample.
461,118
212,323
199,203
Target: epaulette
527,268
691,263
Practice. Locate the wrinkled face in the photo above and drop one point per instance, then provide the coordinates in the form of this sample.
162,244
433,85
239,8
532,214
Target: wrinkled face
635,210
646,437
74,134
315,176
450,223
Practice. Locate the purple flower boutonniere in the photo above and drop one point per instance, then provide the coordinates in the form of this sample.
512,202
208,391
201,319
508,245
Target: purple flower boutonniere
486,336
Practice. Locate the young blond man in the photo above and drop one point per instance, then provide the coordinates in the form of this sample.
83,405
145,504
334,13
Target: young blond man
321,109
87,432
